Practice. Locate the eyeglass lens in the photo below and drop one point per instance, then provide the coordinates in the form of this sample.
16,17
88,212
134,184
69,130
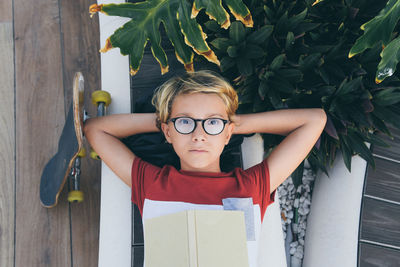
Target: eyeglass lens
187,125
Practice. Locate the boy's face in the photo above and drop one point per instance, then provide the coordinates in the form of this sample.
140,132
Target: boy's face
198,151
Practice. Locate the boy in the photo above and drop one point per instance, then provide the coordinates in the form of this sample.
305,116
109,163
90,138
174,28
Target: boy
196,113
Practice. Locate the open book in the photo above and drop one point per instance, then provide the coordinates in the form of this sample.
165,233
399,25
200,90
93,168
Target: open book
196,238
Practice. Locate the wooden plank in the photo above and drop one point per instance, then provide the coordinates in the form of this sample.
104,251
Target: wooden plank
138,256
7,145
42,235
149,75
392,152
81,53
6,11
376,256
380,222
384,181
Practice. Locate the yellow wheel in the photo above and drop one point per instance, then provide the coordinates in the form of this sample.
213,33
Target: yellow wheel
94,155
82,153
75,196
101,96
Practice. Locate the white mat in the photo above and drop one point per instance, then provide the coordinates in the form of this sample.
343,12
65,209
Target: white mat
115,212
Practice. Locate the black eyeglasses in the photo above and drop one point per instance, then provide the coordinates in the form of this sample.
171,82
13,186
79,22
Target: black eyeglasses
187,125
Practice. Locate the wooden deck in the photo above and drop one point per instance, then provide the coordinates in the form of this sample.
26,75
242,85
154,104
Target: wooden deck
42,44
379,235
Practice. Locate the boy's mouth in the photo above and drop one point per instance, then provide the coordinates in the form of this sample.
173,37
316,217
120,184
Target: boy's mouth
198,150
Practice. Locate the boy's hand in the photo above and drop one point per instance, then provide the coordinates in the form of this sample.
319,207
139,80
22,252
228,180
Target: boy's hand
104,133
302,127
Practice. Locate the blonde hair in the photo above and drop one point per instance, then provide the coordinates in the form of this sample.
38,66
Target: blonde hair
203,81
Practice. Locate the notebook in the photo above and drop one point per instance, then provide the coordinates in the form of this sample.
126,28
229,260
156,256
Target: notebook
196,238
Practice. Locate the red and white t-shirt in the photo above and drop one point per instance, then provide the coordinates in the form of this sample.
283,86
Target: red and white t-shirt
161,191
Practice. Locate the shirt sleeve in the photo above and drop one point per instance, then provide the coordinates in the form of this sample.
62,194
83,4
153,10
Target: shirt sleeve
260,174
143,175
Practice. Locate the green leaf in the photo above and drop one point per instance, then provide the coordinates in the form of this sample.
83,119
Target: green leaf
295,20
180,25
357,115
132,37
378,29
194,35
324,74
213,26
310,61
316,159
253,51
358,145
330,128
232,51
214,10
136,40
227,63
316,2
307,26
268,11
244,65
281,85
282,24
261,35
348,87
297,175
387,97
277,62
275,98
237,32
263,89
375,140
346,152
239,11
379,124
221,43
387,115
289,40
292,75
390,56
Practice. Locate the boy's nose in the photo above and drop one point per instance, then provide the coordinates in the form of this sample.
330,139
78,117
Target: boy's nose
199,134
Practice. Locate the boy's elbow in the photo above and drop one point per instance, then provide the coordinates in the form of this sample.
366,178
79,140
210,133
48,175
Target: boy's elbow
88,127
320,117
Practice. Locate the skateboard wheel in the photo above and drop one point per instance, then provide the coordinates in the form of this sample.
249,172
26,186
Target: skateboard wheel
101,96
75,196
82,153
94,155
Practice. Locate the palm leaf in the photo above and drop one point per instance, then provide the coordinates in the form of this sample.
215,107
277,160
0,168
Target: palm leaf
178,19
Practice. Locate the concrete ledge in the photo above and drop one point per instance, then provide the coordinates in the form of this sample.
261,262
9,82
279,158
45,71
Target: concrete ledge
333,222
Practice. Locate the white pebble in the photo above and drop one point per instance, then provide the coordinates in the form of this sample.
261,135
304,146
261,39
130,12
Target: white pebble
296,203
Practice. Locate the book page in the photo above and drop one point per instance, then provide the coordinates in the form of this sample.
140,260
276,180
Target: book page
221,238
166,241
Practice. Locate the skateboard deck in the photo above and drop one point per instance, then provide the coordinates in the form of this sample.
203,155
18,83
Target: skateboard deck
57,170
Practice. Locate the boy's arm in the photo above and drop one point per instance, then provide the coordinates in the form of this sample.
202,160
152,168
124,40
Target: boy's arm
302,128
104,133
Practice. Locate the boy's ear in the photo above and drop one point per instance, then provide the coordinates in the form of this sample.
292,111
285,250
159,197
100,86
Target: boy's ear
231,127
165,129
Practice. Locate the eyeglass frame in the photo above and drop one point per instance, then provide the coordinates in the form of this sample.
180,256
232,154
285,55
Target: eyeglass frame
202,124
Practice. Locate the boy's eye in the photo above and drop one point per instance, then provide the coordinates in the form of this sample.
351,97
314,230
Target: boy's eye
184,121
213,122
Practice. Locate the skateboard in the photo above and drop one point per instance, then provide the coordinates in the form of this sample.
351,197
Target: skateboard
67,161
